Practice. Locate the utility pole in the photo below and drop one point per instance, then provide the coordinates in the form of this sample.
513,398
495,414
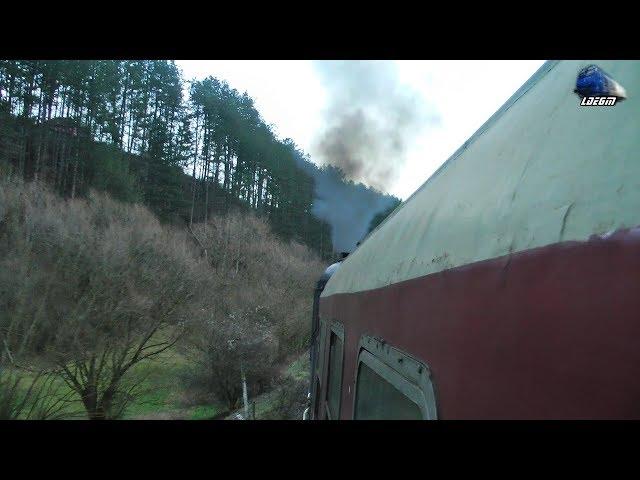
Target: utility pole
245,395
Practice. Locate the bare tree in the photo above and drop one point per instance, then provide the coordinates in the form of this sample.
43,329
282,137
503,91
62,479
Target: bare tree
97,287
31,394
28,388
263,305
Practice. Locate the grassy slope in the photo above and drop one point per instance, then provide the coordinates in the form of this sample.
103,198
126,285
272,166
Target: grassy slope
162,394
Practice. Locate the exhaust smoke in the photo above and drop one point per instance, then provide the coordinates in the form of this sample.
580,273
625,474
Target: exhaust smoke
372,119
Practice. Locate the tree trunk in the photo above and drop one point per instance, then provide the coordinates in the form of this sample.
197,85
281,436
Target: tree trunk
193,183
90,401
75,174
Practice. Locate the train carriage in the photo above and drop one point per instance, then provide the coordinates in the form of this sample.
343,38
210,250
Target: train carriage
508,285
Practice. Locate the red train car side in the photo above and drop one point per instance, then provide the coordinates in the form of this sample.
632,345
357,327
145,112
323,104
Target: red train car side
508,285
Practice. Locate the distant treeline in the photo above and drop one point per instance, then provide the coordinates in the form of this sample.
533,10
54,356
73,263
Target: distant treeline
127,127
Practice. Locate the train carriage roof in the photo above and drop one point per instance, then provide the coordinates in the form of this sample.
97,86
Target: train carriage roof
541,170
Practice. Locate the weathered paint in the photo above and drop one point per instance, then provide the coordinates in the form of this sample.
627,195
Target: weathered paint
548,333
541,170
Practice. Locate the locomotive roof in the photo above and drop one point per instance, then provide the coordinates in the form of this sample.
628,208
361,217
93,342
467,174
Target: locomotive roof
331,269
541,170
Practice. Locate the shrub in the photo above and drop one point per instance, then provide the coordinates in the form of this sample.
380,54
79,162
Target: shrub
290,399
89,288
264,289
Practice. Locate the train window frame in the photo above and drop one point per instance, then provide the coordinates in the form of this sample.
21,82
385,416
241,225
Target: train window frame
318,346
320,373
410,376
336,329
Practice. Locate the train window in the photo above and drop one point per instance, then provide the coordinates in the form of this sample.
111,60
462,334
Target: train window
334,376
379,400
391,385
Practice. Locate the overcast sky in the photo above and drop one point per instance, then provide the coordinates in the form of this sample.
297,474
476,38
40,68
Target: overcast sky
293,96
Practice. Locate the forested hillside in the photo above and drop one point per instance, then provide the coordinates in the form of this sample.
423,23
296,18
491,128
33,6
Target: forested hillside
158,243
107,313
138,130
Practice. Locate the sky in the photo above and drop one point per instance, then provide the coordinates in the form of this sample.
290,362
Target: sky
294,96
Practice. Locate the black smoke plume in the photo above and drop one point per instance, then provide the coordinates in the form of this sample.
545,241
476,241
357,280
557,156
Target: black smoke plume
371,120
